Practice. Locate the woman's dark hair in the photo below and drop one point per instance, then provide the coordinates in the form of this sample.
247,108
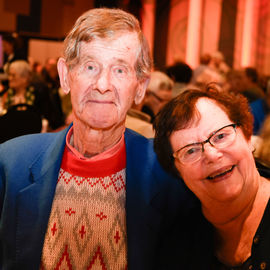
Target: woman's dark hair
181,112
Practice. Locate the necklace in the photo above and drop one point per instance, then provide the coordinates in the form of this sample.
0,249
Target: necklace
29,97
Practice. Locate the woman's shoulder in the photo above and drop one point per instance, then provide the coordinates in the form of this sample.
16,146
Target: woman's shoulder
263,167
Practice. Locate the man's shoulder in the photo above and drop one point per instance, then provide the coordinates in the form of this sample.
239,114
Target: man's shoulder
29,145
132,136
137,143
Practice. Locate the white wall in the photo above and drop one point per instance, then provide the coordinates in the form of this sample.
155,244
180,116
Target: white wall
40,50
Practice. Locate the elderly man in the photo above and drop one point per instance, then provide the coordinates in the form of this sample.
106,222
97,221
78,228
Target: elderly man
92,196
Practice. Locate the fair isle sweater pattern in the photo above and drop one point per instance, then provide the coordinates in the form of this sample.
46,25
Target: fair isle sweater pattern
87,224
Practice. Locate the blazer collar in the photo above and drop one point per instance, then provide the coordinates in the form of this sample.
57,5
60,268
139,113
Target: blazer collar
34,204
143,220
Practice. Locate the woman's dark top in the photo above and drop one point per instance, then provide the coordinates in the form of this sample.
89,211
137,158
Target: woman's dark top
195,240
260,252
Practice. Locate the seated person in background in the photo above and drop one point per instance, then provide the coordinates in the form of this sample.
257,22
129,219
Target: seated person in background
92,196
22,91
51,79
218,63
181,74
260,108
19,91
262,151
204,137
252,89
11,50
158,93
206,72
235,81
203,65
139,121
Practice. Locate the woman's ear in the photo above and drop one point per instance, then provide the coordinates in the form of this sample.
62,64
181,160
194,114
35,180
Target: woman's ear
251,145
63,74
141,90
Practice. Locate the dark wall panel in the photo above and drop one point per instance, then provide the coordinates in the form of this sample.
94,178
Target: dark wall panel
161,33
17,6
30,23
227,30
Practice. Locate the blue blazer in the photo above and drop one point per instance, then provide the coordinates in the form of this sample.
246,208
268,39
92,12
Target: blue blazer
29,167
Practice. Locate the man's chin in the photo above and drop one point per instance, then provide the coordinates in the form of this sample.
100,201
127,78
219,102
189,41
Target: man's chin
101,124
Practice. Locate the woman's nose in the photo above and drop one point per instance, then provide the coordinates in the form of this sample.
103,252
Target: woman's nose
211,153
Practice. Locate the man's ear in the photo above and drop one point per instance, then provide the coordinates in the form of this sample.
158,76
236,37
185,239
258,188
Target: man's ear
141,90
63,74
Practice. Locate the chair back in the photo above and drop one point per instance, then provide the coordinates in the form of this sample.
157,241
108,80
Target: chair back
20,119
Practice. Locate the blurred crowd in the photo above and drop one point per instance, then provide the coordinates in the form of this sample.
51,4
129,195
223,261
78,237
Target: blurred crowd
25,81
172,80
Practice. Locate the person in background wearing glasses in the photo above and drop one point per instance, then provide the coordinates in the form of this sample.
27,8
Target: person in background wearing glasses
204,137
158,93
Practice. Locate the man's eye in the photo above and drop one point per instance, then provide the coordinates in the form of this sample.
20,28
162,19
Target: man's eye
89,67
120,71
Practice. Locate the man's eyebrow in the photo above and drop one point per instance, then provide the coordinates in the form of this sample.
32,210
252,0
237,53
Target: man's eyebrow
121,61
87,58
117,61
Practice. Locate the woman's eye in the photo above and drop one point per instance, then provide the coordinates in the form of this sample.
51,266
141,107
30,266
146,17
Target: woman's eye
192,151
219,137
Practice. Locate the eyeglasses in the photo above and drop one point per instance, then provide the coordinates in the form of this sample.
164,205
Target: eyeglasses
219,139
160,99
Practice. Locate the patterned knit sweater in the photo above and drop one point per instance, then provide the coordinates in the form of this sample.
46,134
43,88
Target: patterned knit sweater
87,224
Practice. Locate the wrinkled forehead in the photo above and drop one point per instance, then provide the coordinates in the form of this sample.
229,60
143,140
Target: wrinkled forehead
125,45
125,41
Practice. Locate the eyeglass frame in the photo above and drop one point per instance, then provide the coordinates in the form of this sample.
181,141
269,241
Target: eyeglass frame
160,99
203,143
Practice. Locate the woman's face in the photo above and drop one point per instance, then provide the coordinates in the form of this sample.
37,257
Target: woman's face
220,174
16,81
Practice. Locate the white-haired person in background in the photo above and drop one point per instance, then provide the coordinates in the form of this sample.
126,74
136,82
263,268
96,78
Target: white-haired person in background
159,92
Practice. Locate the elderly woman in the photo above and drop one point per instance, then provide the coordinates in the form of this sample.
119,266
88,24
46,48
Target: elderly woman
19,91
25,93
204,136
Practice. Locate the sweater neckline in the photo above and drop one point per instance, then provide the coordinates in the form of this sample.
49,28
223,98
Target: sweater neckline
107,163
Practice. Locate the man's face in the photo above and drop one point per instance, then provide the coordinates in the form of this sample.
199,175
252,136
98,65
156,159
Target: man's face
104,84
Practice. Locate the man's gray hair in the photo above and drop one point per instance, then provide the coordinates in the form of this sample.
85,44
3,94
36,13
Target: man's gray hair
106,23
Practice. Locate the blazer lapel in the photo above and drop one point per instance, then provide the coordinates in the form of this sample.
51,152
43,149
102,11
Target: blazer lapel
34,205
143,221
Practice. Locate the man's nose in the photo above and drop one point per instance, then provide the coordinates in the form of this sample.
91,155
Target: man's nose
103,83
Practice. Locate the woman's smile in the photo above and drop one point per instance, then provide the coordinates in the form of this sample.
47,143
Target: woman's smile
221,174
